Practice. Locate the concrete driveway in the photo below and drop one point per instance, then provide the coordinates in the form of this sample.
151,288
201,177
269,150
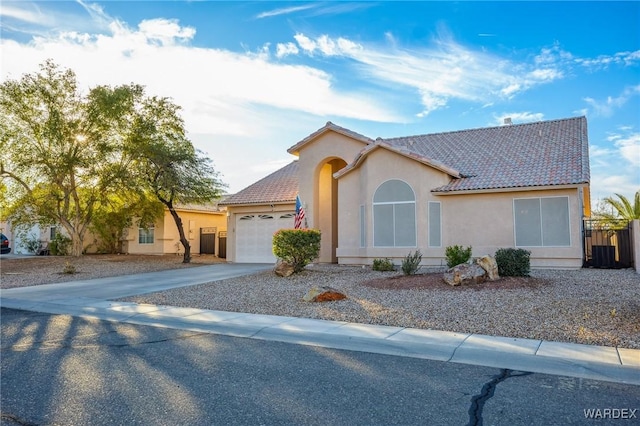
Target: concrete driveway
130,285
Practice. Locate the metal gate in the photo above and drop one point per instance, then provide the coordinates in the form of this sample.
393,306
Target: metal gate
222,245
208,240
607,244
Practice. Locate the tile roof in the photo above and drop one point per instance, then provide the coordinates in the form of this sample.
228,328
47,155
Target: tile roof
544,153
280,186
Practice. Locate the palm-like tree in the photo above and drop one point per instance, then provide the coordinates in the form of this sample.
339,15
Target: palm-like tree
621,208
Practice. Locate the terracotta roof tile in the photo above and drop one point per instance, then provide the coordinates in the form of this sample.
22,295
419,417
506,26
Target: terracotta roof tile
544,153
280,186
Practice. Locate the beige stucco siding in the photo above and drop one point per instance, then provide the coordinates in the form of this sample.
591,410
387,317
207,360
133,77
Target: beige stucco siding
357,189
484,221
167,238
312,157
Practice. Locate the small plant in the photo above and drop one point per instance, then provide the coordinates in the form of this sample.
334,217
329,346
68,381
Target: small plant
32,244
411,263
297,247
60,245
69,269
513,262
383,265
457,255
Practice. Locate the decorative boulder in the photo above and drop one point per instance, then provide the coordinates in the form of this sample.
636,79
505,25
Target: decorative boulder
489,264
323,294
465,273
283,269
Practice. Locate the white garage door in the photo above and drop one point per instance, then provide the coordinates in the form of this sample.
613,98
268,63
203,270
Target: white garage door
254,236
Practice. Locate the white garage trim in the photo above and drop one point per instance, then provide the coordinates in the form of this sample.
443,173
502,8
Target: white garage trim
254,235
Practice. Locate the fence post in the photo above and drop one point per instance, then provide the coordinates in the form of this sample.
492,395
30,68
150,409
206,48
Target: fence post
635,243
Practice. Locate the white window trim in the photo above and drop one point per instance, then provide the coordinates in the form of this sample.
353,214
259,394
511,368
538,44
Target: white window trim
513,211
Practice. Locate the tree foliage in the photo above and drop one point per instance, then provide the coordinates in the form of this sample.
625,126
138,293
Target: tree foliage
96,159
620,208
167,164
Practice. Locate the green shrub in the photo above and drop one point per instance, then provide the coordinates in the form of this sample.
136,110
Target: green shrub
457,255
32,244
60,245
297,247
513,262
411,263
383,265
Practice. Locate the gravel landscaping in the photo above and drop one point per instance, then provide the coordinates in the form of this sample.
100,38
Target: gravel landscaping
591,306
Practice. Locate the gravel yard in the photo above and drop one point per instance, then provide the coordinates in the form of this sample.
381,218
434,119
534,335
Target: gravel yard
591,306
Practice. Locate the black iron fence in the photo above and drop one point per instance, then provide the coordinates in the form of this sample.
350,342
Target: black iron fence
607,244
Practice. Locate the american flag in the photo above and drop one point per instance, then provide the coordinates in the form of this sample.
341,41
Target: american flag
297,223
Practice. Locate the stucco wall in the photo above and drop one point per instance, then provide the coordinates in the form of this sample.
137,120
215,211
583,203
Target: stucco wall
483,221
166,237
316,184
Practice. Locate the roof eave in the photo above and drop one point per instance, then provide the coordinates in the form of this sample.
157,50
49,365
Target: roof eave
329,127
421,159
437,191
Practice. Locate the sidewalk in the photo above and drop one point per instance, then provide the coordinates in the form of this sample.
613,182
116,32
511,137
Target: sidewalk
89,299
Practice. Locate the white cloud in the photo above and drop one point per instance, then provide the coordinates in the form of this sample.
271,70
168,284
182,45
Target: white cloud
284,49
629,148
517,117
445,71
615,164
607,107
33,16
284,11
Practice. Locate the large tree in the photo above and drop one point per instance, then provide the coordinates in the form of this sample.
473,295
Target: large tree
60,150
167,163
98,158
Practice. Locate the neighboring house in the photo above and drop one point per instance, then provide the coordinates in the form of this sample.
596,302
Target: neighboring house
524,186
204,226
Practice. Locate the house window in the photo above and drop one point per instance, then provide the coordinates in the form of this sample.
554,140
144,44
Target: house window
394,215
363,227
52,233
435,224
542,222
145,235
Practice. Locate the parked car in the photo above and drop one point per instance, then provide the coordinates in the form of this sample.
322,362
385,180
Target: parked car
4,245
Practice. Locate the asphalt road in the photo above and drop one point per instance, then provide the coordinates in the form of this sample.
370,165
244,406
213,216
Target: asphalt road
62,370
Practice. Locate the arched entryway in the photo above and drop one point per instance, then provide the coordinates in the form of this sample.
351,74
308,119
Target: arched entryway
326,207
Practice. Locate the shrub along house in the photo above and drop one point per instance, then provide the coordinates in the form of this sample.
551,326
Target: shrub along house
523,186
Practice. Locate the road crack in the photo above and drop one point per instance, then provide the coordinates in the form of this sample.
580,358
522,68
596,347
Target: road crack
478,401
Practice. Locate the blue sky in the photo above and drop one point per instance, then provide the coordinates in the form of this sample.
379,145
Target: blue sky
254,78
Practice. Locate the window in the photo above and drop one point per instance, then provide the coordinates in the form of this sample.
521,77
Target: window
542,222
52,233
435,227
145,236
394,215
